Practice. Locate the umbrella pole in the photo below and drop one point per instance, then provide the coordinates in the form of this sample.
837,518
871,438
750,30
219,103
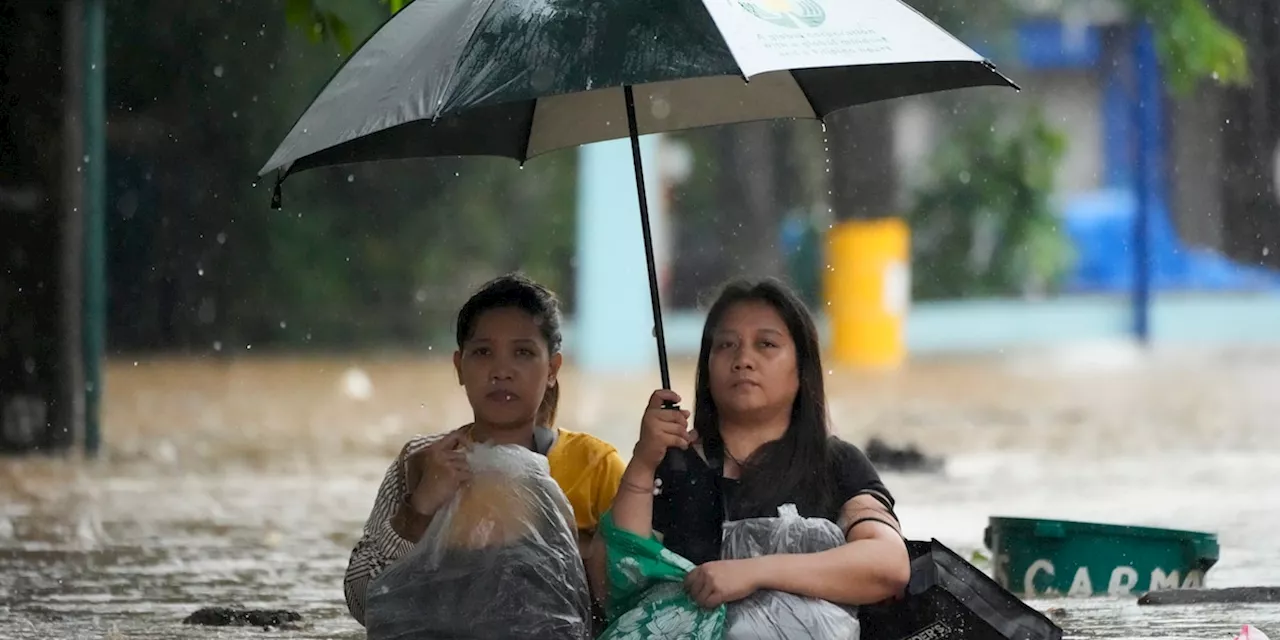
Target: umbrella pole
650,261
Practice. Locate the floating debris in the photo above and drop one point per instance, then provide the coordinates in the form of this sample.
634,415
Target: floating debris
238,617
1232,595
908,459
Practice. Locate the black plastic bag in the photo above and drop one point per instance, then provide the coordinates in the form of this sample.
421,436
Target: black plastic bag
950,598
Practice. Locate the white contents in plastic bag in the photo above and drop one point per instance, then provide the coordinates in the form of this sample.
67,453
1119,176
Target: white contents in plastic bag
501,560
775,615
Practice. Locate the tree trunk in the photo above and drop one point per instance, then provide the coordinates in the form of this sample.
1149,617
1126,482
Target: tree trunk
750,211
1251,138
864,180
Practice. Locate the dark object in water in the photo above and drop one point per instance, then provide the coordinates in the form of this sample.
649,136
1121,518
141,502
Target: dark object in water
885,456
950,599
238,617
1233,595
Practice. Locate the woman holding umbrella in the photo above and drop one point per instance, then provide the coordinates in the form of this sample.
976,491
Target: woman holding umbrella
760,440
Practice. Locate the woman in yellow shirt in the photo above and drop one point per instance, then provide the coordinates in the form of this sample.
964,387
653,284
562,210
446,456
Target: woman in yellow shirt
508,358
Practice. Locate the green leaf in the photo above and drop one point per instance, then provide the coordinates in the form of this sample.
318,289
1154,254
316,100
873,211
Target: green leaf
338,31
300,13
1193,44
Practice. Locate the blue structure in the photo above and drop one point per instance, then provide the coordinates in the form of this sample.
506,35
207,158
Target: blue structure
613,329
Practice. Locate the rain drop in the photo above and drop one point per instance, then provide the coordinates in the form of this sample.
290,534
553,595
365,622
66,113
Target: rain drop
283,324
222,238
1266,251
200,271
86,159
217,345
248,347
351,177
219,71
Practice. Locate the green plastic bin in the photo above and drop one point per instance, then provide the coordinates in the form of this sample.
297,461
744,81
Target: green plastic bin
1051,558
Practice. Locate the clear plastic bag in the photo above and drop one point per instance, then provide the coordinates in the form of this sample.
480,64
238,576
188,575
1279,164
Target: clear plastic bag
501,560
774,615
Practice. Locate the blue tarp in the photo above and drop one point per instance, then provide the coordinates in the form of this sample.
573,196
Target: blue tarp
1100,226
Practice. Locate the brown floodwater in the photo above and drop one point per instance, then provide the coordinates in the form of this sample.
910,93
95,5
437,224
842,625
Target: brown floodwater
245,481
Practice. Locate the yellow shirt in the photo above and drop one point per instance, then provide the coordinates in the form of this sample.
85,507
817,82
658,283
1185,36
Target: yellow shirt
589,471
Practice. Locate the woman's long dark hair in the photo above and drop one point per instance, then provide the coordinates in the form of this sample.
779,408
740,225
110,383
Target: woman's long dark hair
796,468
517,291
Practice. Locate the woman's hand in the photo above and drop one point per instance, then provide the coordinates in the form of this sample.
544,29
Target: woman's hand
661,429
723,581
435,473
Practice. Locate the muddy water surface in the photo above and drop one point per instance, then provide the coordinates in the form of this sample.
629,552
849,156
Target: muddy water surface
246,481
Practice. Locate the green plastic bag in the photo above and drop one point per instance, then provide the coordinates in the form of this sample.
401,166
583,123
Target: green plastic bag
647,600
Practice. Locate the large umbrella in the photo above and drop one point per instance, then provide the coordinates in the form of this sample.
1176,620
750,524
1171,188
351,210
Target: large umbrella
519,78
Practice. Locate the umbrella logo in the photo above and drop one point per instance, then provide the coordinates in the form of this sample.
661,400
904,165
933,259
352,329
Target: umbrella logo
794,14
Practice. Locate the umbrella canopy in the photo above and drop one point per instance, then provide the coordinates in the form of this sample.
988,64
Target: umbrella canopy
519,78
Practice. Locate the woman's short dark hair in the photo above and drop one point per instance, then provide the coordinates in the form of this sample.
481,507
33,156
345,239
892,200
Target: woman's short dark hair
796,467
516,291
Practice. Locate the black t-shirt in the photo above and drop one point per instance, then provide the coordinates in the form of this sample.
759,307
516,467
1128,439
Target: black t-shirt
692,497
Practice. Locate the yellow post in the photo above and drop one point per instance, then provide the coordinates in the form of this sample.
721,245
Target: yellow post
867,285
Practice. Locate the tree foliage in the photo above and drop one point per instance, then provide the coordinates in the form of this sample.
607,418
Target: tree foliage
985,226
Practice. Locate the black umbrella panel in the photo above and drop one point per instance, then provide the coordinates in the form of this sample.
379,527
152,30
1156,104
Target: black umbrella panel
519,78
